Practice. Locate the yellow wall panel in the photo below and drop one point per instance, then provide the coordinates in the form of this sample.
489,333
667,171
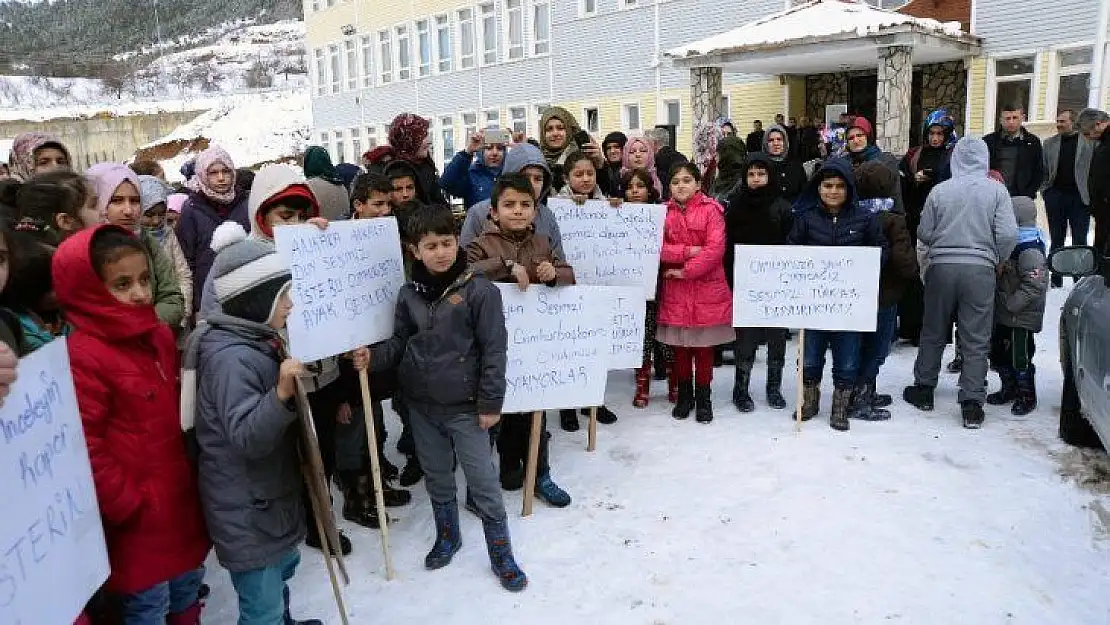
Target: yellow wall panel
796,107
977,79
760,100
1044,108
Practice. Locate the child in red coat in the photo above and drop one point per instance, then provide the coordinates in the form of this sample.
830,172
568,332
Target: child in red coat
125,370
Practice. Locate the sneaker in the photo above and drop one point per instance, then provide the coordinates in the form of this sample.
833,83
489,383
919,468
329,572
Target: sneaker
972,412
919,396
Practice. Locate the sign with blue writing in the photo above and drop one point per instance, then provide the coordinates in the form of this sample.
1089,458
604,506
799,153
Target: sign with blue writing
52,551
559,344
610,246
806,287
628,317
345,284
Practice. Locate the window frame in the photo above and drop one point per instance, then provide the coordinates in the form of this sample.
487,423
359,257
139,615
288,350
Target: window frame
990,121
1057,71
514,120
350,63
385,56
422,28
508,15
534,42
335,68
402,51
468,128
355,135
485,117
583,11
438,28
461,25
585,119
625,5
446,154
320,59
366,52
626,117
371,138
667,107
482,18
340,142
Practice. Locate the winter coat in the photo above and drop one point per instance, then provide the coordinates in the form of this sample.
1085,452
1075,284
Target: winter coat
701,298
184,276
914,193
755,217
852,226
1029,171
169,302
732,156
754,141
488,253
1023,284
900,270
125,370
1084,151
968,219
333,198
1098,181
469,178
451,353
787,172
250,476
199,219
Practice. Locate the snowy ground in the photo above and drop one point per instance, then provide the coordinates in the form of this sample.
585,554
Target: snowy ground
913,521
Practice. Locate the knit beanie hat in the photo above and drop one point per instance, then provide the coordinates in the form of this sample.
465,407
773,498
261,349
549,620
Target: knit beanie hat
152,191
1025,211
875,180
248,275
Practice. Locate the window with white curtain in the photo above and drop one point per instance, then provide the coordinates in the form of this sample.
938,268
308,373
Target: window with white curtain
514,27
443,43
351,51
356,143
424,48
385,57
404,53
367,61
487,18
334,68
541,27
321,71
447,135
340,147
466,38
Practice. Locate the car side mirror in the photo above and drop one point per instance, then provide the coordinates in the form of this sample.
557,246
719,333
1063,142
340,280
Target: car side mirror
1075,262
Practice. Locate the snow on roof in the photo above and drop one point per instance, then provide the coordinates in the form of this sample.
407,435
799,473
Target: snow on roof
814,20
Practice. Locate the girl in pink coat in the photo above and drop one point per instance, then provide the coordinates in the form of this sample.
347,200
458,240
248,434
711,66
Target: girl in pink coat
695,305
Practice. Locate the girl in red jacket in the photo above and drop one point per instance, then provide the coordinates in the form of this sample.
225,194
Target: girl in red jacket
125,370
695,304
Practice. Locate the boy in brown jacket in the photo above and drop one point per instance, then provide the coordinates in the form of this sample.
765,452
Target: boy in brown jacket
509,250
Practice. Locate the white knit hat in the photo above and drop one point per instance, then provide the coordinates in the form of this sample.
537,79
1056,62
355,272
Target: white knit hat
243,264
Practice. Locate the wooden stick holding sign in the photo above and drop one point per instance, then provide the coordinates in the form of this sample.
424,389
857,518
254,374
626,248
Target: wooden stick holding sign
801,380
376,470
328,561
531,470
591,432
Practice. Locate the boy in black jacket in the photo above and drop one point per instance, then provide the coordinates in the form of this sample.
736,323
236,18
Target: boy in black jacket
450,347
757,215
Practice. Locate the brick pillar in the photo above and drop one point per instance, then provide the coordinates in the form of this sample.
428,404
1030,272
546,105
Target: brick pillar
706,84
892,123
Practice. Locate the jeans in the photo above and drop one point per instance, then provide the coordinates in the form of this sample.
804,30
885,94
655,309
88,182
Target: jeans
263,593
151,606
875,346
845,348
440,439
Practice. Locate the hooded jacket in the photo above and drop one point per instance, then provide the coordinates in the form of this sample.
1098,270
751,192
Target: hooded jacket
1023,281
199,219
755,216
787,174
489,252
701,298
125,370
468,177
969,219
521,156
852,226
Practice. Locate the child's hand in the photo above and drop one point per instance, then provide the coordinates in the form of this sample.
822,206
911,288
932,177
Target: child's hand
693,251
486,421
343,415
521,275
361,358
545,271
674,274
615,202
319,222
287,378
580,199
8,363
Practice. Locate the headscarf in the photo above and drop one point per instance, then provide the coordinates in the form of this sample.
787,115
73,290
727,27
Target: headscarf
706,137
105,178
785,143
407,134
557,112
199,183
940,117
152,192
347,172
21,160
317,164
176,201
649,163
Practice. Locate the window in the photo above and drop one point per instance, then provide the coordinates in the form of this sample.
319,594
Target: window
541,27
514,25
1014,80
1073,84
726,105
371,137
631,116
488,20
340,147
674,112
356,143
443,43
541,109
385,57
321,72
470,124
518,118
466,38
404,53
367,61
492,117
352,64
324,139
628,4
587,8
447,132
593,119
424,47
336,73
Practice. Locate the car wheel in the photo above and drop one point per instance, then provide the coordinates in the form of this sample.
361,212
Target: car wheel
1074,427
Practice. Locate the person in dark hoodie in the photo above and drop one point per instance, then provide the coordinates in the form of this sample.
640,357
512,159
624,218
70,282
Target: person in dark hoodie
757,215
787,175
826,214
471,173
325,183
609,177
408,134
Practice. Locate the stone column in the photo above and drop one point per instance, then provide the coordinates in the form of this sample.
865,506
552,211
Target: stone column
892,123
705,94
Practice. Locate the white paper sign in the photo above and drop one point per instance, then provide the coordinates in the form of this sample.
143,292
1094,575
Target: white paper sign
558,347
52,551
629,316
815,288
609,246
346,280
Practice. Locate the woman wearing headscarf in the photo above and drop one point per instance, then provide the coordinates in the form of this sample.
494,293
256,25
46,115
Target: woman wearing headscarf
610,176
732,159
558,132
376,159
639,153
787,173
326,184
37,153
408,135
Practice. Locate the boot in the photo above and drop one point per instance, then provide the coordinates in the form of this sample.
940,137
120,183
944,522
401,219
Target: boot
811,399
972,413
684,403
741,397
1009,391
550,492
501,559
448,538
919,396
774,387
877,400
863,407
643,386
605,416
672,384
662,367
1026,401
358,505
568,419
287,619
412,473
957,364
841,405
512,477
313,540
188,616
704,401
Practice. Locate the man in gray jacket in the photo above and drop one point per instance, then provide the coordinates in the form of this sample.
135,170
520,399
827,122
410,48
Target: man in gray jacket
967,229
1067,163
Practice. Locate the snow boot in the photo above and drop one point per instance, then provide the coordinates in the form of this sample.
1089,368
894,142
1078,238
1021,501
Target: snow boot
919,396
287,618
672,384
550,492
512,477
188,616
412,473
741,397
685,402
643,386
662,367
864,405
501,559
605,416
568,419
841,406
1026,400
448,537
312,539
774,387
359,506
879,400
811,399
704,401
972,413
1009,391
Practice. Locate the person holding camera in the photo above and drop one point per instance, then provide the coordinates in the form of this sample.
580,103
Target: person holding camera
471,173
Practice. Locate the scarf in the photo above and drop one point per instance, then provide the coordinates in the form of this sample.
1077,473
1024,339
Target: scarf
430,286
870,153
552,155
199,182
158,233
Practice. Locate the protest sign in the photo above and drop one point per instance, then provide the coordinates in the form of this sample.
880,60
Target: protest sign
345,284
813,288
629,312
52,551
610,246
559,347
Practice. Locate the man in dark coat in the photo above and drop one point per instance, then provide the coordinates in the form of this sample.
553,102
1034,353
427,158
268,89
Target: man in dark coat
1093,124
1016,153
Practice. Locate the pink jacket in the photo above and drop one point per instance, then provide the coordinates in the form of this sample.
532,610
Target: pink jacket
701,298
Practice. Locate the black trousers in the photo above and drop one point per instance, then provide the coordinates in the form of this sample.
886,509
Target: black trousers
512,442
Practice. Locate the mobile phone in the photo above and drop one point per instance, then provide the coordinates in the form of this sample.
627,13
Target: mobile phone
496,136
582,138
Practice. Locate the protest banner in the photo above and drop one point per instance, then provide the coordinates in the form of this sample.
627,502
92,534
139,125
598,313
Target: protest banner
345,284
610,246
629,316
52,551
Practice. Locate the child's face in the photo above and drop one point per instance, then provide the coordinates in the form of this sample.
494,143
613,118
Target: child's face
683,186
281,311
127,278
377,205
155,217
555,133
438,252
757,177
50,159
515,211
537,177
171,218
637,191
281,215
638,155
220,178
776,144
583,178
124,208
833,192
404,189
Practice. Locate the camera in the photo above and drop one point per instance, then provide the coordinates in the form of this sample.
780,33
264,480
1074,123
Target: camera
496,136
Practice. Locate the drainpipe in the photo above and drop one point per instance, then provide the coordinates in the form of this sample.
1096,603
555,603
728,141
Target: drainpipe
1098,61
658,62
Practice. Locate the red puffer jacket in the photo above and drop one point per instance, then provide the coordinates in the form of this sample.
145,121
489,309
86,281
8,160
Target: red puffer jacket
125,369
701,298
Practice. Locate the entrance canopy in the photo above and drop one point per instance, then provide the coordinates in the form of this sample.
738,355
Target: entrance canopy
825,36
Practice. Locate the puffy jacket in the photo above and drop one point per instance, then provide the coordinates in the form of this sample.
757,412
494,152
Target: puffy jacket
451,353
1029,170
701,298
169,303
489,252
755,217
852,226
468,177
900,269
125,369
199,219
1023,284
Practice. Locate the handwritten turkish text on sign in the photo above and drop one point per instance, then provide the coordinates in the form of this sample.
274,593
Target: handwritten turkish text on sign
559,344
345,284
629,312
52,551
815,288
612,246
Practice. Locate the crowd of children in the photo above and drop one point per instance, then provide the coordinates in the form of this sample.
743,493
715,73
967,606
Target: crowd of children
174,305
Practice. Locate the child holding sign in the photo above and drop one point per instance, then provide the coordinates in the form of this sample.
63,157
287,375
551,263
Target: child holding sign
510,251
450,345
